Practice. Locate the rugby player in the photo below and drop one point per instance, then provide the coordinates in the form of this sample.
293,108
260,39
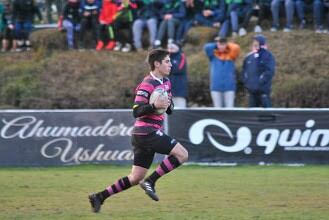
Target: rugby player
148,137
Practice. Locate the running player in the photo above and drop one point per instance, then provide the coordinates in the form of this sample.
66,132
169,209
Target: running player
147,136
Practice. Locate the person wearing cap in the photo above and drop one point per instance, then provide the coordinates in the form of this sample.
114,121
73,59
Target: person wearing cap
257,72
178,75
222,55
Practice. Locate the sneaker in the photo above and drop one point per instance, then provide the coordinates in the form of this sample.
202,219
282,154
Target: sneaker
149,190
318,31
118,46
234,34
95,202
110,45
126,48
157,43
287,30
258,29
100,45
242,32
274,29
302,24
325,31
170,41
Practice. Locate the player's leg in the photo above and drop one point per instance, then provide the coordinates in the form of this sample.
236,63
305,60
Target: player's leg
137,174
143,158
177,155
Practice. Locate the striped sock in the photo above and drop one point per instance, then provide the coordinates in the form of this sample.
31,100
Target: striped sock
167,165
118,186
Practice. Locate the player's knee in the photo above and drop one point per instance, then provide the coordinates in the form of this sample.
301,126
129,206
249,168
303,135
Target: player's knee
135,178
180,153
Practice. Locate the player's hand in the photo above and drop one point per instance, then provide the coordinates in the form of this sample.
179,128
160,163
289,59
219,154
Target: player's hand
161,102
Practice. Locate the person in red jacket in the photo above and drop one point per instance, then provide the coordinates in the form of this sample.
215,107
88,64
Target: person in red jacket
106,19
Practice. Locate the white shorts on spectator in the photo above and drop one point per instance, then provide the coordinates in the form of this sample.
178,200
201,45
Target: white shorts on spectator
179,102
223,99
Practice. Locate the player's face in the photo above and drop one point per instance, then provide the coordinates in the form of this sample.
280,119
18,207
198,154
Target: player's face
165,66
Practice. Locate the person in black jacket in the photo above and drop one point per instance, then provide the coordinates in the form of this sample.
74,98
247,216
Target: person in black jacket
193,7
257,73
8,32
23,17
89,19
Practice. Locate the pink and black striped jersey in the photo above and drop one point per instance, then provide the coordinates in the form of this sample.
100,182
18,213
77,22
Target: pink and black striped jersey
151,122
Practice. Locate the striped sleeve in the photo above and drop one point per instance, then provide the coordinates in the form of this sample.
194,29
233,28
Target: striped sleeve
143,93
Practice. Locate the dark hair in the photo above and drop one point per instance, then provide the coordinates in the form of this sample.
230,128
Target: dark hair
156,55
221,40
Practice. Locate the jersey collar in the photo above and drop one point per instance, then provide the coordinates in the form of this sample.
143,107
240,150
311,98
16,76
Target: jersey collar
156,78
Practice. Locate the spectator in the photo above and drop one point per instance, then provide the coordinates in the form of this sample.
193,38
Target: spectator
290,6
49,8
123,22
212,13
261,9
106,19
8,31
222,55
23,17
71,21
257,73
171,14
89,19
193,7
320,9
178,75
236,11
146,15
2,24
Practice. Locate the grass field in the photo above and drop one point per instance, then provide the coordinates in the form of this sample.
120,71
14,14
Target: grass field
191,192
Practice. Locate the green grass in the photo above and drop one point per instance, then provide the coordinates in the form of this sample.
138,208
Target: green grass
191,192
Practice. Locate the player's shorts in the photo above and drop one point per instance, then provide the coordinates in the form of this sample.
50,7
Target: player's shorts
145,146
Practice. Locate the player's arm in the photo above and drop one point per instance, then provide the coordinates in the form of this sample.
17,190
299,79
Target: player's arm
141,104
142,109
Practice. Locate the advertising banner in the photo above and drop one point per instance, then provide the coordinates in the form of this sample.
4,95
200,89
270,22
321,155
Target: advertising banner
253,136
46,138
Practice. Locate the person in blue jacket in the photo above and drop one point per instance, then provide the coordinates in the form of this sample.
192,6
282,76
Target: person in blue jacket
222,55
178,75
257,72
171,13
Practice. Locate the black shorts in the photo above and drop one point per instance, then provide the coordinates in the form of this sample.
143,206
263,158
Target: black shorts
145,146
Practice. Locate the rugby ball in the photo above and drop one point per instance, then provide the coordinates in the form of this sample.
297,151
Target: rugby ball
161,94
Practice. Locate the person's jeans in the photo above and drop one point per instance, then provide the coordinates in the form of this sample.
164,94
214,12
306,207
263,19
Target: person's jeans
257,99
223,99
138,27
224,29
318,12
183,28
290,6
23,30
70,30
168,26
